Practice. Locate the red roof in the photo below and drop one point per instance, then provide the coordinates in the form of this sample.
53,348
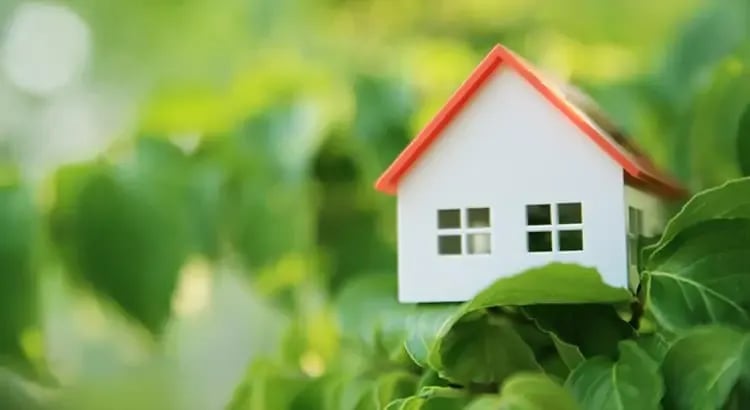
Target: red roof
639,171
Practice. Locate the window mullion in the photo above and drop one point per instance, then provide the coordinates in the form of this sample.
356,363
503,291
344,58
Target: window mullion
478,230
450,231
539,228
570,227
464,235
554,239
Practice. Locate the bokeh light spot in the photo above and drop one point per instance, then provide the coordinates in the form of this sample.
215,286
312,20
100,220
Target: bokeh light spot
193,293
46,47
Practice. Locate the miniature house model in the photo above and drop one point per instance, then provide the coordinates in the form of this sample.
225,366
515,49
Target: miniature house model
516,171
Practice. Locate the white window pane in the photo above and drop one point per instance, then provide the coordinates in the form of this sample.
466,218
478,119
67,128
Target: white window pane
478,243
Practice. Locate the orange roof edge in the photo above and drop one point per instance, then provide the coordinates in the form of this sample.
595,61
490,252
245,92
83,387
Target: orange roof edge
388,181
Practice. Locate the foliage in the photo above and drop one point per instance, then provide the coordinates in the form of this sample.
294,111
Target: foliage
519,338
246,146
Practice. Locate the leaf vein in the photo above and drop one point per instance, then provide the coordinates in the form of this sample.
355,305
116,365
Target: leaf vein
701,289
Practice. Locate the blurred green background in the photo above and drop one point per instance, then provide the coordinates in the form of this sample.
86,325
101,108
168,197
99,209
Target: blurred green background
187,217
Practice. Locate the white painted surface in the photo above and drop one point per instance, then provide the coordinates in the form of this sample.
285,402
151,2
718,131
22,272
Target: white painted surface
654,216
509,147
654,219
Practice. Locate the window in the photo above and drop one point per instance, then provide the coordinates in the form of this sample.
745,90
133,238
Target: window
464,231
557,227
635,230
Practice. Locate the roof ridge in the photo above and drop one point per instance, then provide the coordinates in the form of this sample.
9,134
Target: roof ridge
631,159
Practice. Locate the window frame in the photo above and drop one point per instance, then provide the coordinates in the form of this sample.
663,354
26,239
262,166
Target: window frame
554,228
464,231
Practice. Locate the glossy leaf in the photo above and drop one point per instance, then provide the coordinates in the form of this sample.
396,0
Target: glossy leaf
393,386
535,391
527,391
128,241
432,398
18,280
630,382
700,277
423,326
728,201
547,351
701,369
656,344
486,403
570,354
595,329
554,283
743,141
431,378
481,348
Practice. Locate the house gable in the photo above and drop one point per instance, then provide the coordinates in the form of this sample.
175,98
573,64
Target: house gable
507,149
638,168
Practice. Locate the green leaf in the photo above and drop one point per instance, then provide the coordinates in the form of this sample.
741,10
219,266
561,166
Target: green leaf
348,222
127,239
570,355
702,368
487,403
535,391
267,386
370,313
595,329
545,347
471,334
18,282
266,213
701,276
358,395
431,378
481,348
631,382
432,398
393,386
527,391
19,394
743,142
554,283
728,201
384,108
321,393
423,326
656,344
714,33
194,181
410,403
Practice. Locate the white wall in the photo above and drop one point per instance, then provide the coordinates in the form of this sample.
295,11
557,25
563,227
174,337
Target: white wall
508,148
654,220
654,216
